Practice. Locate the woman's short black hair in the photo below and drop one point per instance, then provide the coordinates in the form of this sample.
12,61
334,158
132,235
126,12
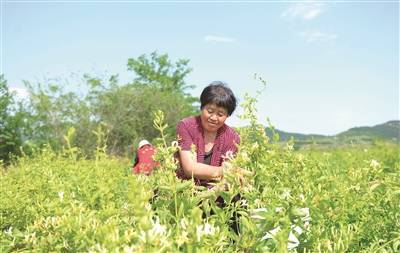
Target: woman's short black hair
218,93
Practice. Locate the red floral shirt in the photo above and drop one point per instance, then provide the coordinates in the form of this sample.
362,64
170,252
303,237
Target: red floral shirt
145,162
190,134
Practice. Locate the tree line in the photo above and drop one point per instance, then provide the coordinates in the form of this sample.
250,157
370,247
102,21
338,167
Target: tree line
122,111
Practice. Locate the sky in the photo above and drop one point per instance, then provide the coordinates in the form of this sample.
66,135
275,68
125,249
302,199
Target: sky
328,65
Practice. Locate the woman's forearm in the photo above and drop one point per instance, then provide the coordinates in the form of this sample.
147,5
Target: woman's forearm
198,170
203,171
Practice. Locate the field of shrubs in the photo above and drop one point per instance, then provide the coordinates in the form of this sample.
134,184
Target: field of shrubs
332,200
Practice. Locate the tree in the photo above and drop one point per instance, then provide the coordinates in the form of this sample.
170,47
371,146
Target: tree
10,121
158,71
127,109
124,109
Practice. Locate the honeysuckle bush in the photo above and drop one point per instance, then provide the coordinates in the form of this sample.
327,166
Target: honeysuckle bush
332,200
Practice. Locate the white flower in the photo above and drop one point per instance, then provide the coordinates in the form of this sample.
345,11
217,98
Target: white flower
257,202
158,232
182,238
289,146
148,206
293,242
158,229
205,229
61,195
129,249
255,213
285,194
184,224
255,146
374,164
295,230
229,156
9,231
270,234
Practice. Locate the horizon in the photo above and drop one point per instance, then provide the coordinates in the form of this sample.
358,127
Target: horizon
329,66
396,121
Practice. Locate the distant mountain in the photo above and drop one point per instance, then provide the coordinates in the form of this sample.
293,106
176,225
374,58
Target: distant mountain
389,131
285,136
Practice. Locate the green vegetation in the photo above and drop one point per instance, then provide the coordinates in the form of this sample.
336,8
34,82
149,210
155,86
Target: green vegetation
66,184
122,110
57,202
338,200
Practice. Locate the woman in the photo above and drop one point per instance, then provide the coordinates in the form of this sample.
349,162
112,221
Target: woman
211,139
144,162
209,136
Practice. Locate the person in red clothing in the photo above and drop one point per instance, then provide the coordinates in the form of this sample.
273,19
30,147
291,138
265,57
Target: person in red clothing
144,158
212,140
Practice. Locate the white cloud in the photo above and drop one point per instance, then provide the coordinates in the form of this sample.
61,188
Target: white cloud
218,39
305,11
318,36
20,92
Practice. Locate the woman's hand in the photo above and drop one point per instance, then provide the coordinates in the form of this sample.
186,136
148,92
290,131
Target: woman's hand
236,173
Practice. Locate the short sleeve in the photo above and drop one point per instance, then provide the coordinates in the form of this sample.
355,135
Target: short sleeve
185,139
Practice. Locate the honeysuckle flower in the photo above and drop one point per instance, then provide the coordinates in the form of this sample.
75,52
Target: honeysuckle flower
228,156
255,146
374,164
158,229
183,223
293,242
258,202
205,229
289,146
174,144
129,249
270,234
285,194
255,213
98,248
295,230
182,238
157,232
61,195
9,231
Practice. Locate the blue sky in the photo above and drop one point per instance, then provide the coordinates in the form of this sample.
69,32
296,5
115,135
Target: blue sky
329,66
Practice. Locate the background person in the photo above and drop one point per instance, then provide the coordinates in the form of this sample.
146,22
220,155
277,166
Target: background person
144,162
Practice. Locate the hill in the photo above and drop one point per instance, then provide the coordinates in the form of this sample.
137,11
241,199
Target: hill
389,131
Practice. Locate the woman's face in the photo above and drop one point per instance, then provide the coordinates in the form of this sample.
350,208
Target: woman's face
213,117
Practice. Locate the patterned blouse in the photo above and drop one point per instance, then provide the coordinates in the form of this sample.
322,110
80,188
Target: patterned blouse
190,134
